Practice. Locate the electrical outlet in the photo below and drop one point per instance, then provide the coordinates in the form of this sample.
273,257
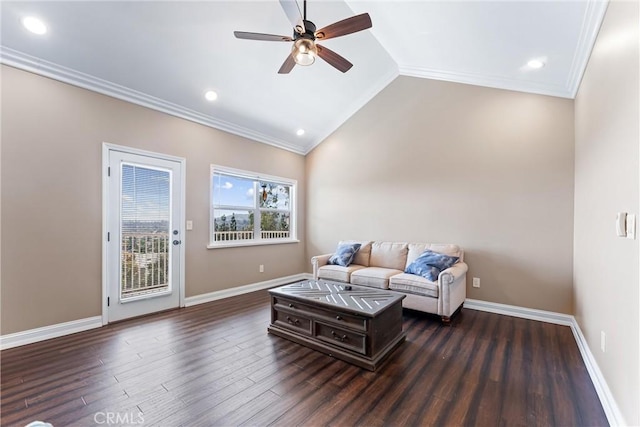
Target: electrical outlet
476,282
261,269
602,341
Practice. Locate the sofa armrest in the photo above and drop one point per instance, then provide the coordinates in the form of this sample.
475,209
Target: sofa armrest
452,273
317,262
453,288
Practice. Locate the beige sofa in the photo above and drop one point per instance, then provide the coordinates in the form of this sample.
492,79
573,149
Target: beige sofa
382,265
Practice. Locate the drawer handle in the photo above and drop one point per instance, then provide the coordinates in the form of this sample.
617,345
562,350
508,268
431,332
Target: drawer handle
338,337
292,321
338,318
290,305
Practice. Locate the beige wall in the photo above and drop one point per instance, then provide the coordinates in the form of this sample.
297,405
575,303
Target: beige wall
431,161
607,181
52,136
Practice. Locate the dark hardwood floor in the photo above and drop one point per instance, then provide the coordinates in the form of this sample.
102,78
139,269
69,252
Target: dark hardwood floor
215,364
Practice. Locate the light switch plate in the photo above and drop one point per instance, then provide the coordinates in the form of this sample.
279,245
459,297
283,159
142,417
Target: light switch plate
621,224
189,225
631,226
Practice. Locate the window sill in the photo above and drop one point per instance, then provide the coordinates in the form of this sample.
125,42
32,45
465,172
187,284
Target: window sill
250,243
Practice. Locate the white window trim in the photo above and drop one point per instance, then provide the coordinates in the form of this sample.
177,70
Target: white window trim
293,219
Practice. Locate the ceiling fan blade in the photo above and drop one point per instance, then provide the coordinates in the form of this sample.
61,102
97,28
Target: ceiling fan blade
260,36
334,59
344,27
292,10
287,65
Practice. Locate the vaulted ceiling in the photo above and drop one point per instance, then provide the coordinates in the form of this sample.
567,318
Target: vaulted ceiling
166,55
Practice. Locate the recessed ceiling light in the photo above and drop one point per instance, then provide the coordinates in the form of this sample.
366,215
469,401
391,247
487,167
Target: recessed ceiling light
34,25
300,132
535,63
211,95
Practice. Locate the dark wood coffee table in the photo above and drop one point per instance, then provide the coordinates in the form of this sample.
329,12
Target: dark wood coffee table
359,325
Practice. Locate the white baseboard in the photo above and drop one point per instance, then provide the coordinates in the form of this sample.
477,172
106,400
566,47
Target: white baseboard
232,292
609,405
614,416
522,312
47,332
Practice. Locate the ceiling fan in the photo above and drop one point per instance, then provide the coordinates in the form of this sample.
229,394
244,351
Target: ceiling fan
305,35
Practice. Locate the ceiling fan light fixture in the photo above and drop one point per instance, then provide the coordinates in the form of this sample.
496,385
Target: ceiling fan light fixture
304,51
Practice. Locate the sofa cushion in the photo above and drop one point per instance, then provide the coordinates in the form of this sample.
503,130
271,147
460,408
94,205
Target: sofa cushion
412,284
363,254
416,249
388,255
344,254
429,264
376,277
337,272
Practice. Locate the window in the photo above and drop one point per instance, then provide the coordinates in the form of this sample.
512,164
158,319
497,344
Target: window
250,209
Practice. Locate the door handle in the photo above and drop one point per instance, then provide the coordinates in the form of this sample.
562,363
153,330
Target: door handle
177,242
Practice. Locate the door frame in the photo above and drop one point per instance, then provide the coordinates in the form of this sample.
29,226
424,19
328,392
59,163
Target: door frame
106,148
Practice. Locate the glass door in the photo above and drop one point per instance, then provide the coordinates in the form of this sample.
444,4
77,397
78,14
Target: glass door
144,217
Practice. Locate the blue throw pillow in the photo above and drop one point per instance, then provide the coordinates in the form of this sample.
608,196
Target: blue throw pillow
430,264
344,254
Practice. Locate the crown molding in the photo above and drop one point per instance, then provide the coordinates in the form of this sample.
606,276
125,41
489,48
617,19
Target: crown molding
23,61
486,81
355,107
592,20
593,17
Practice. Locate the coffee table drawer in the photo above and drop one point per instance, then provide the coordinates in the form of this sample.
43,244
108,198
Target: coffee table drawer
348,321
341,338
292,321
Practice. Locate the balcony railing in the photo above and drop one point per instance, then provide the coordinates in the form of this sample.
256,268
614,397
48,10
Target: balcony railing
274,234
222,236
144,264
